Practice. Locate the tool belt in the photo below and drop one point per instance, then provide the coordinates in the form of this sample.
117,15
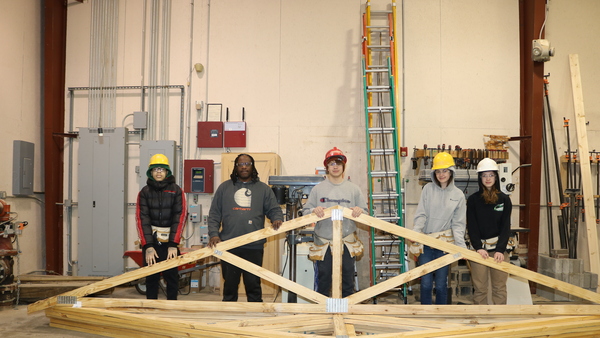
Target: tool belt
490,243
417,248
161,233
355,247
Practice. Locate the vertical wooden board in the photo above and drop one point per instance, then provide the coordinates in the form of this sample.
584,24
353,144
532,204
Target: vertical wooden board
337,250
584,163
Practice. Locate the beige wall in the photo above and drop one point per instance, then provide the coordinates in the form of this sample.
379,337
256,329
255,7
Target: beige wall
20,112
295,67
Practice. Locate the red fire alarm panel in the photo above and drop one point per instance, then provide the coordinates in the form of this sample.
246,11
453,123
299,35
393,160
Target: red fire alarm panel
234,134
210,134
198,176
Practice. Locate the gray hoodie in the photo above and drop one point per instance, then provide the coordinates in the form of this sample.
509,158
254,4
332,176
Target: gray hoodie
442,209
327,194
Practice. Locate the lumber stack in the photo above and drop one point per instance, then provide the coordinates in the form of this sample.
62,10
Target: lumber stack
36,287
129,317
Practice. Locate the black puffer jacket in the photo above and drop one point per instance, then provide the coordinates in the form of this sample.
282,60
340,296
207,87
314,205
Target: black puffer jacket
160,204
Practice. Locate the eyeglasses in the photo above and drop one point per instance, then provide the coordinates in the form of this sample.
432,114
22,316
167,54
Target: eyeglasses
335,163
243,164
442,171
159,170
488,175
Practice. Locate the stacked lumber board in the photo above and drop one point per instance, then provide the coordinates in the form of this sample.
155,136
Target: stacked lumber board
36,287
157,318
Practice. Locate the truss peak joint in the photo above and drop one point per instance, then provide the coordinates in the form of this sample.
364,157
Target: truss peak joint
337,305
337,215
218,252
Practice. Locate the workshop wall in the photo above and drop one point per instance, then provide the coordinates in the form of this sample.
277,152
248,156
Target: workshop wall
21,116
295,68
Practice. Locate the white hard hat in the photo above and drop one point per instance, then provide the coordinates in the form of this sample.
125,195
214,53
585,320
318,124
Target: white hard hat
487,164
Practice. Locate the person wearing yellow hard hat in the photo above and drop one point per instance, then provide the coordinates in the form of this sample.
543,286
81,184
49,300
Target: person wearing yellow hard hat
488,224
441,214
160,219
335,190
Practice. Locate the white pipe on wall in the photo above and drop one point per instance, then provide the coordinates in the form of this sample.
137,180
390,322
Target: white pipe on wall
154,24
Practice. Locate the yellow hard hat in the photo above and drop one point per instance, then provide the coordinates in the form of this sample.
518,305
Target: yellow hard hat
159,159
442,160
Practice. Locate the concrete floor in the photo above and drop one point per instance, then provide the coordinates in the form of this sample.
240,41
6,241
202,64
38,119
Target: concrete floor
15,321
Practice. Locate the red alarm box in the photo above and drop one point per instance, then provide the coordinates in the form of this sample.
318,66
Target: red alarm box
234,134
210,134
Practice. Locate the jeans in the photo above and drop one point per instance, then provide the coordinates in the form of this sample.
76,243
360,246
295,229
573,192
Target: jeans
440,276
232,274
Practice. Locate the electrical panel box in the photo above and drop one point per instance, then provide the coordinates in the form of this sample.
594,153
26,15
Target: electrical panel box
234,134
23,153
198,176
140,120
195,213
210,134
102,201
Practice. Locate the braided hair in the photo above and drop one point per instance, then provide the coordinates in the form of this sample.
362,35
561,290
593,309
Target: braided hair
253,175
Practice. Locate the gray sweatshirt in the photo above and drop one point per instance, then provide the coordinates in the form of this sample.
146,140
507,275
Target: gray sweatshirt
240,208
327,194
442,209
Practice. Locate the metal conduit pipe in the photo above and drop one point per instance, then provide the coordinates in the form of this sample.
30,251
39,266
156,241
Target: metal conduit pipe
164,71
152,71
143,61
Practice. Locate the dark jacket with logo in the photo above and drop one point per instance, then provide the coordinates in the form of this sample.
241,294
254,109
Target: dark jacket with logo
485,221
239,208
160,204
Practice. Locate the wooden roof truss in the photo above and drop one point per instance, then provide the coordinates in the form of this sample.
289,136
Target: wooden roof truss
327,317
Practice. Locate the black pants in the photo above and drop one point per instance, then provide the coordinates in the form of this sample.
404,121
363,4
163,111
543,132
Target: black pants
231,275
324,268
170,276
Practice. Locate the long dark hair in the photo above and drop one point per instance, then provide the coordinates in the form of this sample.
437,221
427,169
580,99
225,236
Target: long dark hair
490,196
253,175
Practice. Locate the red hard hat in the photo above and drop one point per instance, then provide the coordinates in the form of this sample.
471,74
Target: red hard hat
335,152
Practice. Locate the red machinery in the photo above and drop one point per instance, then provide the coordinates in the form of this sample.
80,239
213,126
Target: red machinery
9,229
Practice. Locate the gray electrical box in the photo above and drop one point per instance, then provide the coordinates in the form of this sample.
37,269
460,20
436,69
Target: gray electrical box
151,148
23,153
140,120
102,168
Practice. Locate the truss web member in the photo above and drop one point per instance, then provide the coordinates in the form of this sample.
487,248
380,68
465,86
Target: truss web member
335,190
488,224
441,214
160,219
239,207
